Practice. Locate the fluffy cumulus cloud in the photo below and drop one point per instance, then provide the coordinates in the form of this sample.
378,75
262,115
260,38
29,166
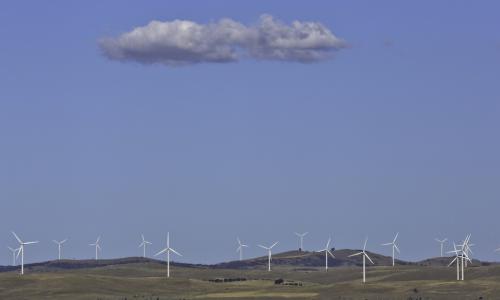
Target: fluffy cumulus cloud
181,42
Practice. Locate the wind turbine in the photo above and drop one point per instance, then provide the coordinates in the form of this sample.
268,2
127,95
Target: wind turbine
168,250
97,247
460,257
365,255
465,247
442,243
240,248
21,250
143,245
301,239
269,254
327,251
59,247
13,255
394,247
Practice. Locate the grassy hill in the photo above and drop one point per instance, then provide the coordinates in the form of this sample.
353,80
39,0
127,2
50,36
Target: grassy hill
139,278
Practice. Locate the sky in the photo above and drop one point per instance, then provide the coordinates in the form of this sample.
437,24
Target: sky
384,119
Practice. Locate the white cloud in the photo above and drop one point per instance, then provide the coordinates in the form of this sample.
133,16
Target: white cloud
181,42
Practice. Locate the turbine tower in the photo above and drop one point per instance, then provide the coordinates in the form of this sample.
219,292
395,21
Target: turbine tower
13,255
394,247
365,255
456,259
269,254
168,250
143,245
240,248
59,247
97,247
301,239
21,250
442,243
327,252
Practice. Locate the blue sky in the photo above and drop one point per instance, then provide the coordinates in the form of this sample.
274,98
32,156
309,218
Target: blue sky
397,132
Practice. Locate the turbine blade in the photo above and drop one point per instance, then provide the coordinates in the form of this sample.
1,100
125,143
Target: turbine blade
396,247
175,252
396,237
29,243
369,258
455,259
273,245
331,254
161,252
263,247
17,238
355,254
364,247
386,244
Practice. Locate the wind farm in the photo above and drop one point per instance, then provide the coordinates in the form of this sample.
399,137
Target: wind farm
295,274
246,150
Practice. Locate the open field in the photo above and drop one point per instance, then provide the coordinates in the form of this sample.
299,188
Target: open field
146,280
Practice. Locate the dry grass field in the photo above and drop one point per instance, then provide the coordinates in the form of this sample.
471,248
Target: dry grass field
146,280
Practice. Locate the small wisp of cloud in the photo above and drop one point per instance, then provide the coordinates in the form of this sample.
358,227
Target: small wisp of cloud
183,42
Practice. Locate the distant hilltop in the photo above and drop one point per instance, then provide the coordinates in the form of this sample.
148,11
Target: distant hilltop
296,259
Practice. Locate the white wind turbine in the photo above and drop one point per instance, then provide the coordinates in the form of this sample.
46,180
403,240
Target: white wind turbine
301,239
460,257
327,252
13,255
465,247
442,243
97,247
365,255
394,247
168,250
143,245
21,249
59,247
269,254
240,248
